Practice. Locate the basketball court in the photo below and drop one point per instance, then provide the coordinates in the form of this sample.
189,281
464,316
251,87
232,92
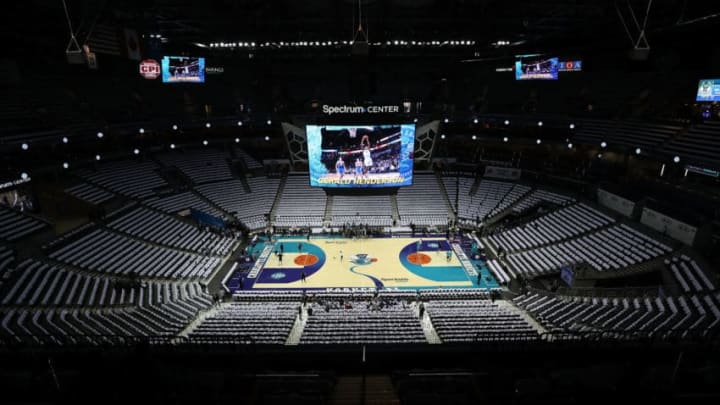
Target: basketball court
389,263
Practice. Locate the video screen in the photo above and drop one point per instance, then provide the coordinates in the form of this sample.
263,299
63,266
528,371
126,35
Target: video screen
182,69
708,90
347,156
538,69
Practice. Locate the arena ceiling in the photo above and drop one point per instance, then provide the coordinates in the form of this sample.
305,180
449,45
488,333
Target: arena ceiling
528,24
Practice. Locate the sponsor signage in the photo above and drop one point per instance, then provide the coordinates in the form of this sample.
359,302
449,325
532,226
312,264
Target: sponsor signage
150,69
356,109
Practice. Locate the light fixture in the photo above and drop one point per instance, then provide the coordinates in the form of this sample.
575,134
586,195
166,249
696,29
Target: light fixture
136,151
638,151
25,146
141,130
603,144
505,139
572,126
207,125
174,127
269,122
64,139
507,122
570,146
676,159
474,137
442,136
538,141
237,140
240,123
540,123
172,146
205,142
599,155
100,135
267,138
97,157
475,121
415,119
24,176
66,165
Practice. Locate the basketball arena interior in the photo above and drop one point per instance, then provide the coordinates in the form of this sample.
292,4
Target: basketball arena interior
360,201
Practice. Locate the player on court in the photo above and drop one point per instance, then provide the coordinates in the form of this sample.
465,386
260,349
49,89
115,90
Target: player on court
367,159
358,168
340,167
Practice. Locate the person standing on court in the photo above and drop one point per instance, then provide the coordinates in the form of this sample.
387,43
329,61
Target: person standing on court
302,277
299,247
341,255
282,248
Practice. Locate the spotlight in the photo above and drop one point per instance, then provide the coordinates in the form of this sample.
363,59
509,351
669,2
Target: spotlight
237,140
507,122
172,146
415,119
267,138
603,144
175,127
136,151
599,155
572,126
676,159
66,165
474,137
269,122
25,146
64,139
24,176
446,120
638,151
442,136
475,121
100,135
207,125
505,139
141,130
570,146
240,123
540,123
538,141
205,142
97,157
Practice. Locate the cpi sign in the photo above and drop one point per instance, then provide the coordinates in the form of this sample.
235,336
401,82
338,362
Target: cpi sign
149,69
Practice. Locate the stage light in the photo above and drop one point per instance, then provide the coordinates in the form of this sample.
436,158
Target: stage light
603,144
172,146
66,165
267,138
205,142
638,151
141,130
507,122
207,125
240,123
64,139
136,151
97,157
174,127
100,135
676,159
25,146
540,123
474,137
572,126
505,139
538,142
237,140
24,176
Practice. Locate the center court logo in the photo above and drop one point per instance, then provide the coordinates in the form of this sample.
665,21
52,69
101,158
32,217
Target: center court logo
278,275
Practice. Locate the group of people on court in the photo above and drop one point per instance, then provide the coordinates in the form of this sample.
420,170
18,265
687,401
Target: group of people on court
362,167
